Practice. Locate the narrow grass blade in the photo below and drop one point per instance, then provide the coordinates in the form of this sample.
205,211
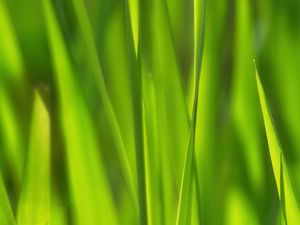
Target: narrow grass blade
136,89
289,205
185,197
6,214
87,34
34,205
90,192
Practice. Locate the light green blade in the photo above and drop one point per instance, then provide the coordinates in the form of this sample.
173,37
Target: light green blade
6,214
34,205
285,190
90,192
184,206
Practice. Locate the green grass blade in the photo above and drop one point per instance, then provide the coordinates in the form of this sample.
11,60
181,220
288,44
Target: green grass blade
185,197
12,143
87,34
34,205
11,63
285,189
245,106
90,192
6,214
136,89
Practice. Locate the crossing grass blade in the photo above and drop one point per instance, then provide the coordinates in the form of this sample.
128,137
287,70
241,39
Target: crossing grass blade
6,214
88,39
90,193
289,204
35,204
186,191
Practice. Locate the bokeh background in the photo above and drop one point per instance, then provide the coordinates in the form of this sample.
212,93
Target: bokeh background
235,171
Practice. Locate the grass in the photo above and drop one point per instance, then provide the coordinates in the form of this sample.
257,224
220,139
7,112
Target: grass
149,112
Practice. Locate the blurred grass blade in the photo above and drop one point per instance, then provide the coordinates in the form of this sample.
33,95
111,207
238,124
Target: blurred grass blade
11,63
136,92
87,34
239,209
285,189
245,106
185,197
6,214
90,193
34,206
12,143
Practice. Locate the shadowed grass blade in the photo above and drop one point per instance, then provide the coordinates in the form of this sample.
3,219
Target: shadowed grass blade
185,197
34,206
90,192
133,36
6,214
289,205
12,142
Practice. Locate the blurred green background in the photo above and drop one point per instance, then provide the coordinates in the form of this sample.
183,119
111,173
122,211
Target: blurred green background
78,55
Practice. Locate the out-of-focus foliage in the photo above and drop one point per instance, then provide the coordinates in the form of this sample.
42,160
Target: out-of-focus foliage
149,112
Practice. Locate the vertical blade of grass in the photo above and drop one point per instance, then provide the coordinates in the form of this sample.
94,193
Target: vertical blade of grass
34,206
11,63
184,205
285,189
245,102
87,34
11,74
58,216
6,214
90,193
136,89
12,142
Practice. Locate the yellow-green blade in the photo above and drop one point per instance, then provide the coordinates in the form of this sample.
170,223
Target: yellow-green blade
92,201
6,214
285,189
34,205
239,210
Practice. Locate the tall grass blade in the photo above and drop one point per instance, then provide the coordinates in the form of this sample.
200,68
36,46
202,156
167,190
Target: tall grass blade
136,89
35,204
289,204
90,192
184,205
6,214
87,34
